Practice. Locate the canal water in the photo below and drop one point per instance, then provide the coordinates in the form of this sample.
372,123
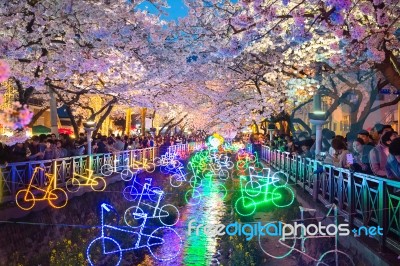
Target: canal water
199,249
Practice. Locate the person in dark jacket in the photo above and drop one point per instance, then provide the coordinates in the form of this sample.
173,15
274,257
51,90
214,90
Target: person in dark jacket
378,155
19,152
361,157
102,146
37,149
364,135
50,151
393,161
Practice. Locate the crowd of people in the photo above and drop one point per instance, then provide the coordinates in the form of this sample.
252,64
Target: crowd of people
375,152
47,147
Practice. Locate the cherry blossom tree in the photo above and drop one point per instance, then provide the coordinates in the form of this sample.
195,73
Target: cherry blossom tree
101,47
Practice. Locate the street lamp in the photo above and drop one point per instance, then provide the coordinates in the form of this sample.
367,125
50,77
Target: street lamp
317,118
271,129
89,126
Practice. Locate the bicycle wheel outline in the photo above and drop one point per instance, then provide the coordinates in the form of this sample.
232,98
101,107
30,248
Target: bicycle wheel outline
333,251
139,214
150,167
26,192
71,187
223,171
190,195
53,201
102,239
163,242
290,192
197,180
176,178
220,189
230,165
252,203
106,172
177,214
152,193
130,193
258,188
273,256
126,173
274,180
101,182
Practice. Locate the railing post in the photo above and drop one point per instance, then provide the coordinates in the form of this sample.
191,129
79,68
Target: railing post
364,204
283,161
351,199
13,181
306,173
382,213
54,172
340,190
280,160
331,185
316,181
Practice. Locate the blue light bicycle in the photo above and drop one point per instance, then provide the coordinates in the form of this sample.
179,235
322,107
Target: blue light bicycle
131,192
167,214
164,243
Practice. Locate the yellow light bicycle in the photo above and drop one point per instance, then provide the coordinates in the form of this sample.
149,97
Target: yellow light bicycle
26,198
97,183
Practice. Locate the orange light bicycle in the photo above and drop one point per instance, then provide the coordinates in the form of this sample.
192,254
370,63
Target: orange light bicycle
57,197
97,183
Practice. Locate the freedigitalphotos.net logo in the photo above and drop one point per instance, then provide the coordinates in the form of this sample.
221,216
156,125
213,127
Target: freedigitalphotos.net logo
279,229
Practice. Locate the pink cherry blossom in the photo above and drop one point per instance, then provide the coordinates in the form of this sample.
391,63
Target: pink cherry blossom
4,71
357,32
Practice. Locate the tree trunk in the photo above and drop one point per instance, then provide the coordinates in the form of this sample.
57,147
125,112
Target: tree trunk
292,120
36,116
73,122
390,68
175,124
303,124
166,124
103,118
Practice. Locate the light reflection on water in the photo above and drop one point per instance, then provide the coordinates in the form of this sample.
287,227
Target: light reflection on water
199,250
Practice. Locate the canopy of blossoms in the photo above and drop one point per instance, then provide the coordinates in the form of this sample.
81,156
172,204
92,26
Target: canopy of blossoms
221,67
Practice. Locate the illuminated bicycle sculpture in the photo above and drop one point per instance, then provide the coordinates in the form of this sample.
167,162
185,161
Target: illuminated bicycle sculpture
57,197
224,162
131,192
193,196
109,169
167,214
171,167
216,170
170,159
246,160
178,177
97,183
259,190
105,250
330,257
